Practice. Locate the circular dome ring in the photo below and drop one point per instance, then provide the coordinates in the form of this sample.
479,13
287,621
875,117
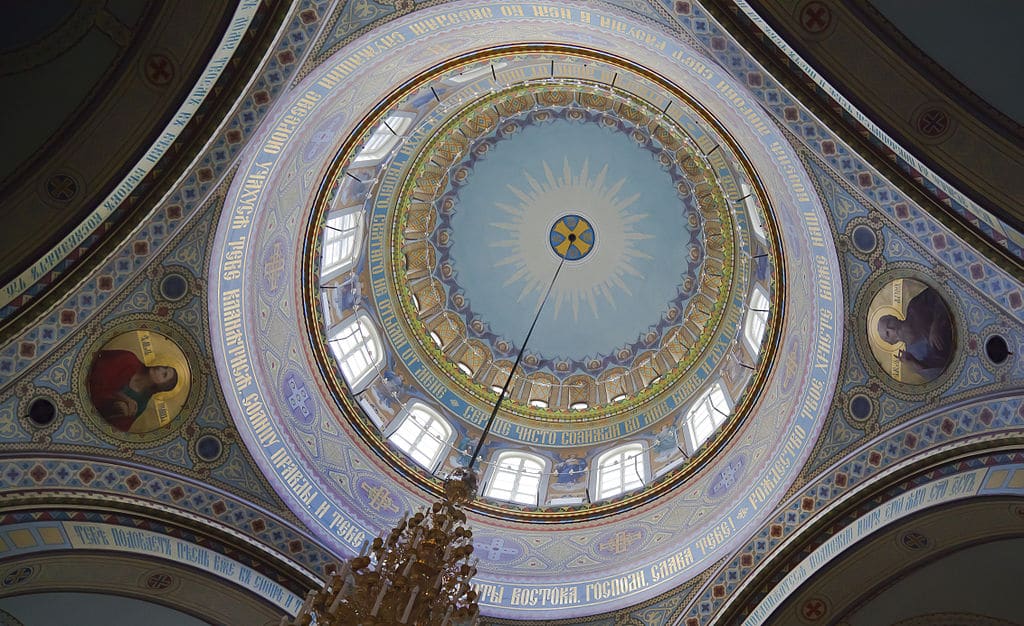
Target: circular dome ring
451,119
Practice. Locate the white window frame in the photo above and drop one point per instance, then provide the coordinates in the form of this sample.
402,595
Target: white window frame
753,214
356,345
757,320
422,434
710,411
343,233
524,486
382,140
620,470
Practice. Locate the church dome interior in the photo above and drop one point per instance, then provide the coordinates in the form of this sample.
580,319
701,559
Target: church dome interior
721,301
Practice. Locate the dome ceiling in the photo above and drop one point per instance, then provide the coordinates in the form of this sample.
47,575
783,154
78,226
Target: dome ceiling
424,223
524,186
485,176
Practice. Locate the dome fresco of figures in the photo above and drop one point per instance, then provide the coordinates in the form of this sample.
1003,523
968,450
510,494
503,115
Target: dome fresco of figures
441,228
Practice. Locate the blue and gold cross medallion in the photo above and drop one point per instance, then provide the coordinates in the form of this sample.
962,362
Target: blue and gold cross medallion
572,237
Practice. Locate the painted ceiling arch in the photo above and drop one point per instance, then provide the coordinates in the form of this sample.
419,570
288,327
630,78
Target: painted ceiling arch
157,502
90,608
928,548
107,90
768,587
931,120
263,361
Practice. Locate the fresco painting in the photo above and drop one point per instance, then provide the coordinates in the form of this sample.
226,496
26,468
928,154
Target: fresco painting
910,331
138,381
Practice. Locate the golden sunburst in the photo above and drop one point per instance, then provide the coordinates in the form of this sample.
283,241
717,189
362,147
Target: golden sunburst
605,271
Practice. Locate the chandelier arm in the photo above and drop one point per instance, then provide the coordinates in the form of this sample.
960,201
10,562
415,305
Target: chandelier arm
519,357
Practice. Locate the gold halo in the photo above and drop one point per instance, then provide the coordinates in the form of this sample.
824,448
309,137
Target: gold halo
879,345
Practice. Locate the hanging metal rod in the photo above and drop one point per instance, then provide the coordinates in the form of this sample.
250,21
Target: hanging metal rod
519,357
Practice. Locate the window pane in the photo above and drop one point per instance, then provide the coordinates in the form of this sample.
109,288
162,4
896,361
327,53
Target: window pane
436,429
516,478
757,320
405,435
633,470
355,364
504,479
620,470
465,77
710,411
529,484
759,300
422,435
720,409
429,446
752,212
512,463
357,350
383,140
343,222
340,240
420,458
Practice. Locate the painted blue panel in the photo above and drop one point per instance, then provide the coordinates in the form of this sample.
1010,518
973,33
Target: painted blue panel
503,219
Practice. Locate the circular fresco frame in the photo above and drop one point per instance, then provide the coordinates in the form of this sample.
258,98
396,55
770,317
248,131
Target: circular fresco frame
955,363
183,410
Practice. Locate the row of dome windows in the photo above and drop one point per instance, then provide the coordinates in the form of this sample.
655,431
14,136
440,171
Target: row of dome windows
357,345
515,476
340,252
518,476
344,225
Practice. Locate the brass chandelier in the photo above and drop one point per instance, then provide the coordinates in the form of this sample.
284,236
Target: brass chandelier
419,573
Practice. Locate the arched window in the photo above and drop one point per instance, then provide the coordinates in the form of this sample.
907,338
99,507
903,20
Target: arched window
342,234
423,435
357,347
620,470
383,139
757,320
515,477
708,413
